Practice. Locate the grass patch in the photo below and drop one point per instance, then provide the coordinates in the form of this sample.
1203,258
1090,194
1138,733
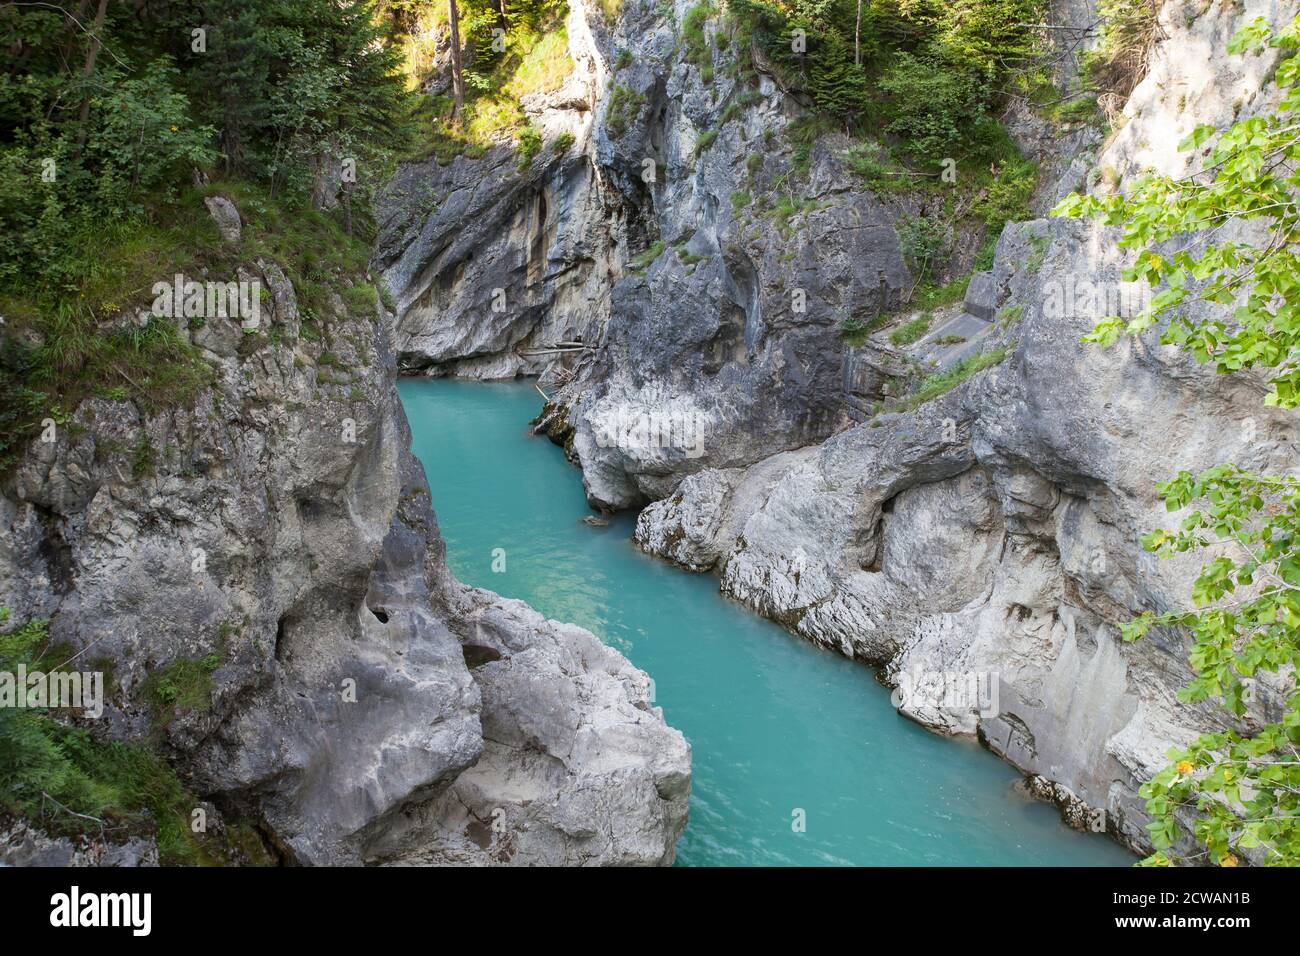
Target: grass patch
878,168
1037,252
688,258
911,331
787,208
803,134
624,107
182,687
855,332
1010,315
55,346
943,382
543,65
642,262
699,52
929,297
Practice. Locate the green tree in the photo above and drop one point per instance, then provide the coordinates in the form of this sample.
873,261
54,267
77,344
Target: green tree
1241,785
932,107
835,81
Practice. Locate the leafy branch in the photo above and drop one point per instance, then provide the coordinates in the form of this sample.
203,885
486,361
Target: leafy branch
1241,785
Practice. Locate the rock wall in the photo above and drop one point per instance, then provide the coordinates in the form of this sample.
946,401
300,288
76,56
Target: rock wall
693,313
365,706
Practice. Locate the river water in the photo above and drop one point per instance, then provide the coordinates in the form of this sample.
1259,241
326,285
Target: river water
781,731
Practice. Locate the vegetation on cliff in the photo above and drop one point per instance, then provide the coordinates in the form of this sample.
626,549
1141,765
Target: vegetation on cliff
1242,784
510,51
921,88
72,784
114,130
930,75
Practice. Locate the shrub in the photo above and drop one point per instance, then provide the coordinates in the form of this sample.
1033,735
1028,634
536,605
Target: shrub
920,239
623,109
932,106
530,144
1006,198
699,52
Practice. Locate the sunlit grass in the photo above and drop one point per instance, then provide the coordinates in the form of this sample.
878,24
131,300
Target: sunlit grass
544,67
537,61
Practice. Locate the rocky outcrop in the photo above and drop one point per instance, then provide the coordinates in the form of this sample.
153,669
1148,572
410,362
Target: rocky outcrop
658,273
24,845
578,767
275,538
489,261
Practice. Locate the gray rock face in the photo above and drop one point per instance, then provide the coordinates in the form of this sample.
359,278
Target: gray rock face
281,527
982,296
610,788
706,313
488,262
993,533
227,218
23,845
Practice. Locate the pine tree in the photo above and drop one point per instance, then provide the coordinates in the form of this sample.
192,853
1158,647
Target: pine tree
835,81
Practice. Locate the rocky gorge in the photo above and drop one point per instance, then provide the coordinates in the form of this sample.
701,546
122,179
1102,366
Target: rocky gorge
677,258
725,315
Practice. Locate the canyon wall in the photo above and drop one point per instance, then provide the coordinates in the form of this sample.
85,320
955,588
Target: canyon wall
991,530
359,704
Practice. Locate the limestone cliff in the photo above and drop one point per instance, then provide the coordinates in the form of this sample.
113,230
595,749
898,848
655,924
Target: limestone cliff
633,245
995,529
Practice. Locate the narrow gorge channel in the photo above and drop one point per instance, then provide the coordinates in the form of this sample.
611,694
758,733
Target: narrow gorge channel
776,725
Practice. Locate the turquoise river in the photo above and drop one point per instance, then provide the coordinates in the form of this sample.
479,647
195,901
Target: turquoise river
775,723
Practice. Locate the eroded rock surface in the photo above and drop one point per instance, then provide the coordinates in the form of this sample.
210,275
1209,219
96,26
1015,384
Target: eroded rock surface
992,530
995,530
700,318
